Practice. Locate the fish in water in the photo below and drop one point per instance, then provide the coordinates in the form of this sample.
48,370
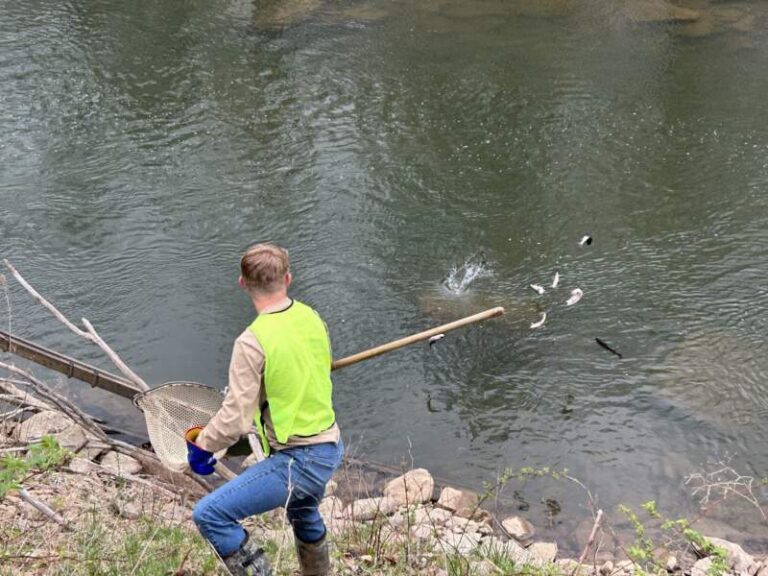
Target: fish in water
585,240
539,289
435,339
604,345
556,280
576,295
540,322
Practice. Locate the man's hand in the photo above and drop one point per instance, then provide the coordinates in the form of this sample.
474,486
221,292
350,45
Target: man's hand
200,461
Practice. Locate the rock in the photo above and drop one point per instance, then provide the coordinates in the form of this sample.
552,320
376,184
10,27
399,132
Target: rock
370,508
453,543
738,560
331,487
482,568
659,12
129,510
83,466
331,507
607,568
42,424
120,463
762,571
672,563
422,531
542,552
625,567
436,516
701,567
519,528
569,565
510,549
413,487
461,502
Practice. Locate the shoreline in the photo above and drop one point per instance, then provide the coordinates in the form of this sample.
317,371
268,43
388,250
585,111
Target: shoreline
75,488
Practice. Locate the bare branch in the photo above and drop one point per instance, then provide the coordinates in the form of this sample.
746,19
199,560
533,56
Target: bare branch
44,509
591,540
90,334
58,401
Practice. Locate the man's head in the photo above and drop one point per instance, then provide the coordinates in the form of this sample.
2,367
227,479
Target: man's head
265,270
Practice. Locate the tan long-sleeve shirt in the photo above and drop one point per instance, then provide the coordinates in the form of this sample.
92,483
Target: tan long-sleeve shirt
245,394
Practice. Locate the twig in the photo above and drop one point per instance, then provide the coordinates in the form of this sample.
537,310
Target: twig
591,540
180,570
44,509
144,550
89,334
60,402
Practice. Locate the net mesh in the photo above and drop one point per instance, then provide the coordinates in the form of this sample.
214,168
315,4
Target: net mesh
172,409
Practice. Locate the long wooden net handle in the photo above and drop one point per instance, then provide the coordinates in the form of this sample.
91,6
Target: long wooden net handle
394,345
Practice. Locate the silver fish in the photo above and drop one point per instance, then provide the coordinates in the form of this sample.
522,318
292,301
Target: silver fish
435,339
540,322
576,295
556,280
585,240
539,289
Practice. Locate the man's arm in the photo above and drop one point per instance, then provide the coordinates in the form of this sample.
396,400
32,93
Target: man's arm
235,417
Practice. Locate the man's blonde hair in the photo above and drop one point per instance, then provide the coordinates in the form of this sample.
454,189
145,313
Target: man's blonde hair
264,266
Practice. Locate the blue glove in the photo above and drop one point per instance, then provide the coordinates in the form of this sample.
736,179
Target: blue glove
200,461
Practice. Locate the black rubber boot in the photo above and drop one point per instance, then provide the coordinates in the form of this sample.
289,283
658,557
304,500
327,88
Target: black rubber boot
249,560
313,557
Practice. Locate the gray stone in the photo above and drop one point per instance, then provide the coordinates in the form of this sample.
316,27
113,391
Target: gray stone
607,568
461,502
519,528
120,463
331,487
625,567
453,543
672,563
763,571
569,566
42,424
83,466
430,515
370,508
738,560
542,552
129,510
701,567
509,549
413,487
422,531
482,568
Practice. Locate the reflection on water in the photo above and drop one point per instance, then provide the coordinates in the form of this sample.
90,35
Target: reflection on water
145,144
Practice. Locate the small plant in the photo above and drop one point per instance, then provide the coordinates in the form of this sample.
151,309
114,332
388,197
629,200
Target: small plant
679,537
42,456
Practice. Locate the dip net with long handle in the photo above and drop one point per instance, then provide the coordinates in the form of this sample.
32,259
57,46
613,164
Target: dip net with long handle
172,409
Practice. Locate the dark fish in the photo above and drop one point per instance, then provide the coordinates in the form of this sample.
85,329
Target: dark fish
604,345
586,240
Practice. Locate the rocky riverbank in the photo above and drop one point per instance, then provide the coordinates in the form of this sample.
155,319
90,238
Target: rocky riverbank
91,510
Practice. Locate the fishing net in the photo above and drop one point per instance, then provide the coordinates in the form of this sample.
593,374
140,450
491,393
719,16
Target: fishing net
171,410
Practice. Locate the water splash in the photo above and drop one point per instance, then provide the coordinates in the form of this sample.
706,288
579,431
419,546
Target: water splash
461,277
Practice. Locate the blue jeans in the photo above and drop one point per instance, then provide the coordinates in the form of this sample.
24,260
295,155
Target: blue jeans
297,476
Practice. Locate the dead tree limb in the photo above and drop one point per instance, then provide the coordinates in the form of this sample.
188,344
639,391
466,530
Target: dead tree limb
595,526
44,509
89,333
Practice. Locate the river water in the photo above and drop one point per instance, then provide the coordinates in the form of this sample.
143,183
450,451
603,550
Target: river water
144,145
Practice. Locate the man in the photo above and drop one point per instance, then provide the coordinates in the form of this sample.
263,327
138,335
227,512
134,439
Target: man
279,380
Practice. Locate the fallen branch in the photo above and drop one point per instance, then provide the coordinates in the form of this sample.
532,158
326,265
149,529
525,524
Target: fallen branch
44,509
592,535
58,401
89,333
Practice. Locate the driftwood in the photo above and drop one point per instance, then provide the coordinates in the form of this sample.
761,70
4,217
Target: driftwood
44,509
89,333
592,535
